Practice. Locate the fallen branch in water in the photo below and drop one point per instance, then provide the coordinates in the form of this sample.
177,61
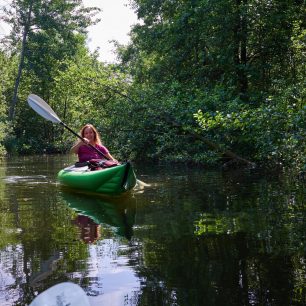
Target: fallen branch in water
235,159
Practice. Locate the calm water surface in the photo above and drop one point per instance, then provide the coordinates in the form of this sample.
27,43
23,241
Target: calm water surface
194,237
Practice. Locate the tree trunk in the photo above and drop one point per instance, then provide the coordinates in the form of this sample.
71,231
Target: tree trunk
21,62
241,48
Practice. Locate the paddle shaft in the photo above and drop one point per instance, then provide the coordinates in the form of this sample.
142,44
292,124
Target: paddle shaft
80,137
43,109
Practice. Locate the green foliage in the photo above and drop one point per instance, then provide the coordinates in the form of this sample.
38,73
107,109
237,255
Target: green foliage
273,133
241,63
52,35
6,71
243,45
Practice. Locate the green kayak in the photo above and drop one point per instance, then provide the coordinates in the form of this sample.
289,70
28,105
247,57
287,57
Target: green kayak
110,181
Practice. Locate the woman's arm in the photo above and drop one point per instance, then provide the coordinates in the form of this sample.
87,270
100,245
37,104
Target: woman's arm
76,147
110,157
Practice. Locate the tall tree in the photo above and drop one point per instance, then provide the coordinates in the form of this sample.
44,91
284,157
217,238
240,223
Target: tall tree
5,73
26,28
239,61
38,24
242,44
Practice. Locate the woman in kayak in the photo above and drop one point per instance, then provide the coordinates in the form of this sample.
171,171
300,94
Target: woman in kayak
85,152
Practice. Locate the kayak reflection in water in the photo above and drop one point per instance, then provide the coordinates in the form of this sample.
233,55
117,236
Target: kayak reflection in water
119,214
89,230
91,137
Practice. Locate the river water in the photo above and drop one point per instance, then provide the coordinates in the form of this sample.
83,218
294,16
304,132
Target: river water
193,237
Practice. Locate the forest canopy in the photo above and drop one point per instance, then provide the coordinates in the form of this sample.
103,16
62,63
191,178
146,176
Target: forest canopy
201,81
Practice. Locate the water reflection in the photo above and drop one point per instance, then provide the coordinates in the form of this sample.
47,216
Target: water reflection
96,213
35,179
196,238
89,230
110,279
40,227
233,240
48,266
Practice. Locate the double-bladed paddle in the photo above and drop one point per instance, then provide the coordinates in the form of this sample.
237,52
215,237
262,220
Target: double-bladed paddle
44,110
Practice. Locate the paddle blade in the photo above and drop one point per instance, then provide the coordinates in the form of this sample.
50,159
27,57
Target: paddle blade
42,108
62,294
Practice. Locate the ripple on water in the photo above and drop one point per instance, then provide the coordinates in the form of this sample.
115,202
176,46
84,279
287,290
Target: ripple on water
33,179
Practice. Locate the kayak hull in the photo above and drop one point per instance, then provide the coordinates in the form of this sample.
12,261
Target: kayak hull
110,181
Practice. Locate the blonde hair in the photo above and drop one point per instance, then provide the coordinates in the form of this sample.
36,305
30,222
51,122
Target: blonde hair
97,138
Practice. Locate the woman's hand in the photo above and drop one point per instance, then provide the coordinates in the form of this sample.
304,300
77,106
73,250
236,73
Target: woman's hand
80,143
86,141
110,157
